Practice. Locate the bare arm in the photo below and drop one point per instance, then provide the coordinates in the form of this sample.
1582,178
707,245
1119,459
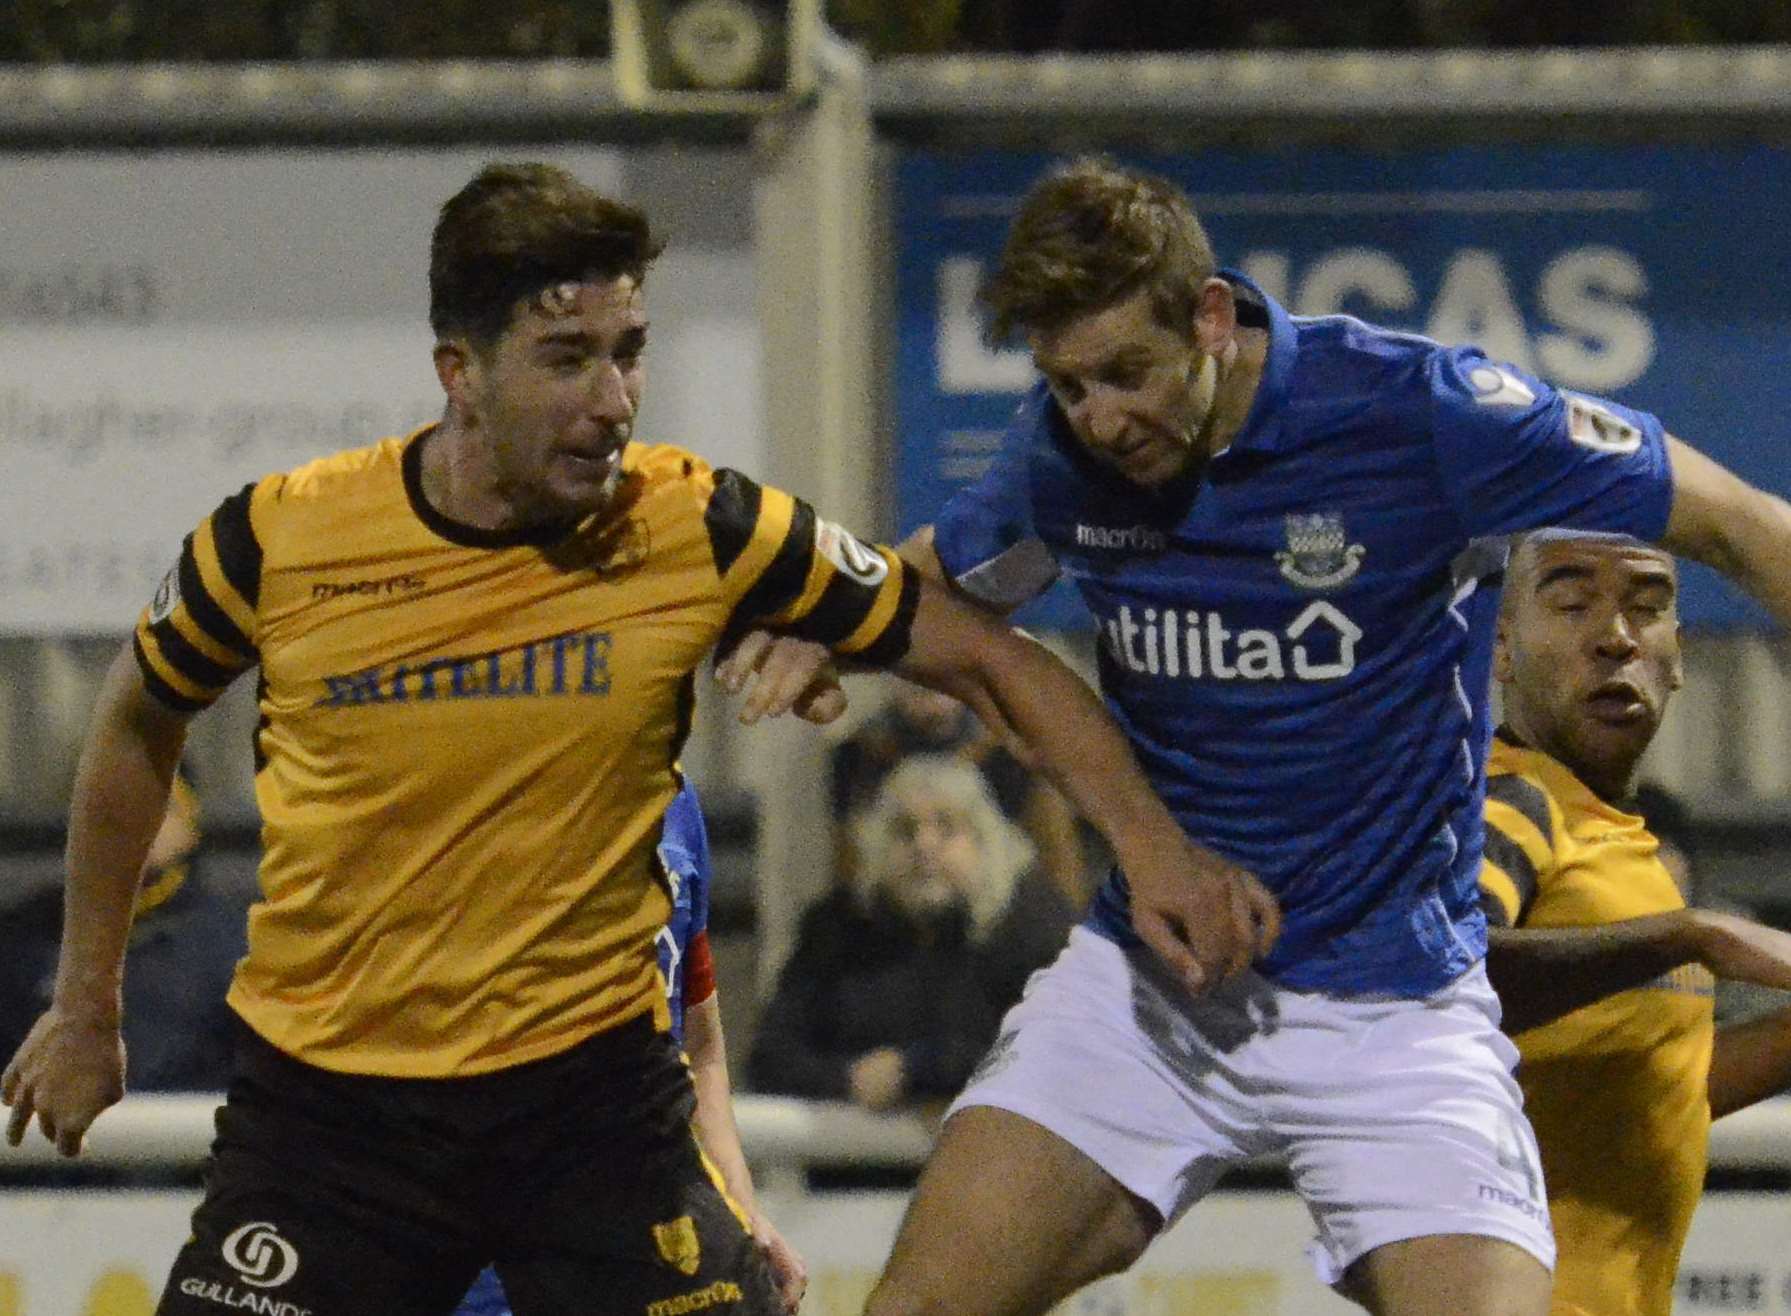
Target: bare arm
1203,915
707,1050
71,1066
1750,1062
1544,973
1726,523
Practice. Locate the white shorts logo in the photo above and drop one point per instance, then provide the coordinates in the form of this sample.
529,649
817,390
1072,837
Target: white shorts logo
260,1255
847,552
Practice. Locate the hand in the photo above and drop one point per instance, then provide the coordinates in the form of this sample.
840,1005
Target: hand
67,1070
1740,950
879,1079
782,674
1202,915
787,1268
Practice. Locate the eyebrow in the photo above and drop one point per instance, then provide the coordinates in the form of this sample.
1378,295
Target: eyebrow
1646,577
1119,357
580,338
1567,571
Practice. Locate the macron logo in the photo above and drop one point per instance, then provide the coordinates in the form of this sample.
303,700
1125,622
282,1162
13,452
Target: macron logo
1135,538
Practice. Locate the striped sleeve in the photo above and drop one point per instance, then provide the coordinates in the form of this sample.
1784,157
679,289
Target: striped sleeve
198,632
1520,847
786,568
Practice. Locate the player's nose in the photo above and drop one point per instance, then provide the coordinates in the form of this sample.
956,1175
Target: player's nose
610,400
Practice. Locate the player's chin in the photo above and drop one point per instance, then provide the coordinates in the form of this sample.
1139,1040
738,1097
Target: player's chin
1156,465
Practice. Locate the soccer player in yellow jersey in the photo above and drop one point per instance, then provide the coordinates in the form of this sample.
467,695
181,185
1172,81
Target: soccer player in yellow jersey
1605,976
476,648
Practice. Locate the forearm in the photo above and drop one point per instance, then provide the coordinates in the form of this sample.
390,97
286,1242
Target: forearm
120,797
714,1121
1750,1062
1015,683
1541,974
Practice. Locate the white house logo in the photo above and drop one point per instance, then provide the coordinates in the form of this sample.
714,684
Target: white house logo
258,1254
1318,645
1130,538
1318,554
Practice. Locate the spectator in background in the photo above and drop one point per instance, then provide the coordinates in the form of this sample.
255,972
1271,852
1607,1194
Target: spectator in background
899,978
917,720
186,937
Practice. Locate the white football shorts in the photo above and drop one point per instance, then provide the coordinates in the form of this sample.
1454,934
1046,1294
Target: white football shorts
1397,1118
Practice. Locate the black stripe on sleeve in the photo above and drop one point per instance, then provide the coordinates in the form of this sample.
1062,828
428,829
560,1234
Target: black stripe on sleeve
163,692
187,660
211,619
840,610
1526,798
239,552
889,648
731,517
1509,858
1494,909
782,582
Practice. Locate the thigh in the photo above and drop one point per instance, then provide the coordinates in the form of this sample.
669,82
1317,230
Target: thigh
1467,1274
1150,1084
1404,1124
645,1228
1008,1219
267,1239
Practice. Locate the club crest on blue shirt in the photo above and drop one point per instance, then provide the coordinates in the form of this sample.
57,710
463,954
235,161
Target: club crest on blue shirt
1318,553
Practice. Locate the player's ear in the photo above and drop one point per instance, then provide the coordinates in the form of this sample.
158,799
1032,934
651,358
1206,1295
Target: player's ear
1501,668
457,367
1677,675
1215,316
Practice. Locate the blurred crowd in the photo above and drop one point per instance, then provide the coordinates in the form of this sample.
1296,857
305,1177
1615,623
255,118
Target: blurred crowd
93,31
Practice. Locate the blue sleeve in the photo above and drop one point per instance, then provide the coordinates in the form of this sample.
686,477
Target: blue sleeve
485,1298
693,837
984,536
1518,454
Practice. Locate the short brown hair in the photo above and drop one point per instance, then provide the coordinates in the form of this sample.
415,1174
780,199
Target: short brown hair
516,229
1089,235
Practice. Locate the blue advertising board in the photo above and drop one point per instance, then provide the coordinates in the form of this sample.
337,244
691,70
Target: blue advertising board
1658,276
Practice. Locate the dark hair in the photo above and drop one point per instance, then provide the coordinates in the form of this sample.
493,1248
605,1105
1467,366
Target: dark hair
516,229
1089,235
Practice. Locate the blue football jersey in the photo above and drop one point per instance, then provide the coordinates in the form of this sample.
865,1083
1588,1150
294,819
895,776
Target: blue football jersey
1300,648
684,855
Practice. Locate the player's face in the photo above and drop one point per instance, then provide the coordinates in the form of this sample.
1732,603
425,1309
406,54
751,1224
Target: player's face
557,395
1588,651
1132,388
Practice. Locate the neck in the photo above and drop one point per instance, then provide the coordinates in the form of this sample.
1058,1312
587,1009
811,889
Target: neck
1610,782
459,482
1238,371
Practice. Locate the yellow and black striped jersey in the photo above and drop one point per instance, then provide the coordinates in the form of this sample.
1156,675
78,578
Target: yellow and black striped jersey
467,737
1618,1091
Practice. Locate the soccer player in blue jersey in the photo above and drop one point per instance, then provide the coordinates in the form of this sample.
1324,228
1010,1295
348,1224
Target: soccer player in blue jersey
689,971
1291,533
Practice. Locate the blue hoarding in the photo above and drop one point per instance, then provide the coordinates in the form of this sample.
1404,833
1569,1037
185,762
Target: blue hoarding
1654,275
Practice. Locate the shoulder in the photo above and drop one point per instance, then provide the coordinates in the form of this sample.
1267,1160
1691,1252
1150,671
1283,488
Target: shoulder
1524,829
329,486
1334,352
